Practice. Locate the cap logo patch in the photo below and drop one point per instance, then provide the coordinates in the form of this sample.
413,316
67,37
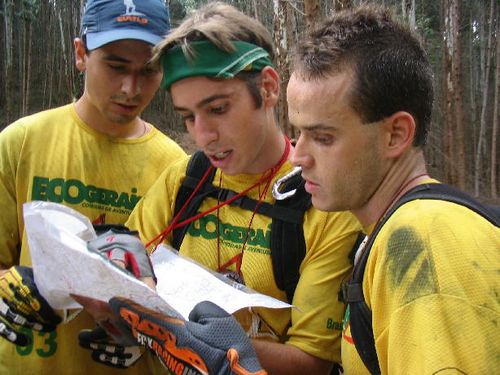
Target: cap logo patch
131,15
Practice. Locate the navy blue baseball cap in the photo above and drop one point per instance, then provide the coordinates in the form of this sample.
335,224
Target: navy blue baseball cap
106,21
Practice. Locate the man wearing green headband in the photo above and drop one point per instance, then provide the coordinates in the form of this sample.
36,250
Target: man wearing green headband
218,69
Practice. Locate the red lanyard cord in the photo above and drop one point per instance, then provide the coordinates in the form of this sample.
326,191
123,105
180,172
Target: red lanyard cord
238,258
171,226
174,225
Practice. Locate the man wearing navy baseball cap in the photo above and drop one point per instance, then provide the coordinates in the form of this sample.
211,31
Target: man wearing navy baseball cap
106,21
96,155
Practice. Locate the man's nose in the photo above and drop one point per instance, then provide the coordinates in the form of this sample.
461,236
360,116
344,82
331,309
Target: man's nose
299,155
204,131
131,85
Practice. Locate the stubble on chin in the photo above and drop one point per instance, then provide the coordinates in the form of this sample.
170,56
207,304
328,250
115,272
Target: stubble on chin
334,201
321,204
121,119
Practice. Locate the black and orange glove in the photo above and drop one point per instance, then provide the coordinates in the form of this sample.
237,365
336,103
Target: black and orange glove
21,305
211,342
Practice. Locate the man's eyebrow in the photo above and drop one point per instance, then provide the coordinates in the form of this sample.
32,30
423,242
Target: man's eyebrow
115,58
205,101
316,127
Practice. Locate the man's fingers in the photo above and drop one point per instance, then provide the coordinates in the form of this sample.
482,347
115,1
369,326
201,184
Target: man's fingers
149,281
119,263
99,310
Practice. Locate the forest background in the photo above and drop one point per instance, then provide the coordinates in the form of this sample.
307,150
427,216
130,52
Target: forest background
461,37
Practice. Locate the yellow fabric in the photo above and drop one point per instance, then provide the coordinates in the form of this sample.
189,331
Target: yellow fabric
432,283
54,156
316,322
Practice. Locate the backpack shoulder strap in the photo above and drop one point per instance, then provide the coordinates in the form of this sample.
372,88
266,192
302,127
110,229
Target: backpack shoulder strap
288,245
360,315
287,242
196,168
452,194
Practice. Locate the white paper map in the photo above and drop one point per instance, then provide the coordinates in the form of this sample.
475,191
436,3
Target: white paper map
184,283
62,265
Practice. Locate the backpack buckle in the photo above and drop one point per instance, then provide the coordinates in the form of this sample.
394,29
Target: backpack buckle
277,194
351,292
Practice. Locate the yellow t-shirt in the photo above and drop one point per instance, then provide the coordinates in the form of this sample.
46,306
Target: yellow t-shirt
432,284
315,324
54,156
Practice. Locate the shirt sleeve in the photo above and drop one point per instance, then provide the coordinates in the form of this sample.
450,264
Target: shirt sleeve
446,333
154,211
11,140
432,287
316,325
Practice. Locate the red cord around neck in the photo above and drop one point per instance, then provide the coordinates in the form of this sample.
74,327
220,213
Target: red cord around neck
266,176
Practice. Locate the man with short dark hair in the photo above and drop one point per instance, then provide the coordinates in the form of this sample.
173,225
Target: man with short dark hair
97,156
361,95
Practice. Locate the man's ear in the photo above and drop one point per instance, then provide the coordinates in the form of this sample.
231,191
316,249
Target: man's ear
399,133
270,86
80,54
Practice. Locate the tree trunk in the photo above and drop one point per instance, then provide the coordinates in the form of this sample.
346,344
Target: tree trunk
281,43
482,127
311,9
458,97
473,86
494,135
8,15
447,89
454,133
63,45
255,10
27,87
408,7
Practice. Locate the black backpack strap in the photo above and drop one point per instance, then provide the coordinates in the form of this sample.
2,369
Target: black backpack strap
452,194
360,315
288,245
196,168
281,212
287,242
495,210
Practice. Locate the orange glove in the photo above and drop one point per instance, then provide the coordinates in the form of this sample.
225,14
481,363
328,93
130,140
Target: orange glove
211,342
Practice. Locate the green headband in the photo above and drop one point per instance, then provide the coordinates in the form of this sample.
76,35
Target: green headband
210,61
